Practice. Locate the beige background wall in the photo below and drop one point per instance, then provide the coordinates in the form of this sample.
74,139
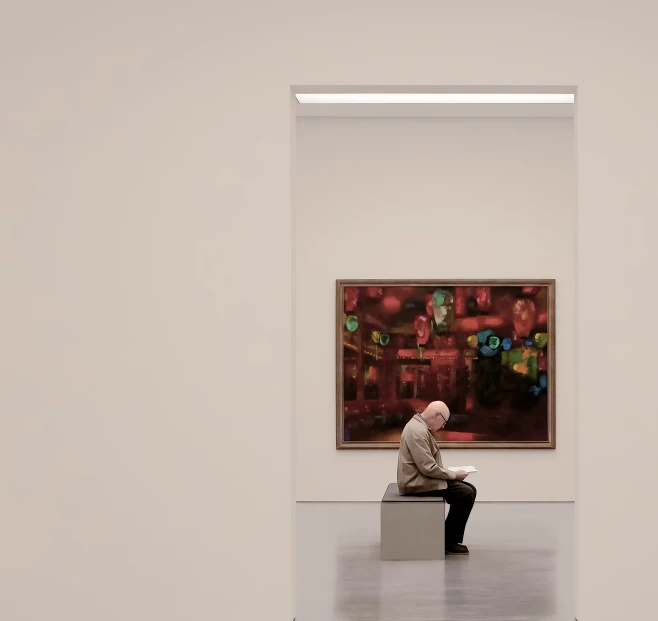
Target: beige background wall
145,204
429,198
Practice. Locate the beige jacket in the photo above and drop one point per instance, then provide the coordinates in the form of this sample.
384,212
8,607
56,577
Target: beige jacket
420,468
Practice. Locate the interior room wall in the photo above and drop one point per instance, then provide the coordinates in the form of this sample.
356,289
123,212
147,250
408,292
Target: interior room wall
140,475
145,160
429,198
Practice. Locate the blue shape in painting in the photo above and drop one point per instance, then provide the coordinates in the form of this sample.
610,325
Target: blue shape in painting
536,390
485,350
483,336
543,381
529,342
507,344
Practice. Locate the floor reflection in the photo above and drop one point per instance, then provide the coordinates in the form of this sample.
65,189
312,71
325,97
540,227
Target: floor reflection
521,567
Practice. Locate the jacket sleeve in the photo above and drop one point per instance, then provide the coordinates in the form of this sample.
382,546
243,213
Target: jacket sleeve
420,450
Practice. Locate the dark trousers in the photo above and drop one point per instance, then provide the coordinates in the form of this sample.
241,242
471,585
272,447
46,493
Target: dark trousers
460,495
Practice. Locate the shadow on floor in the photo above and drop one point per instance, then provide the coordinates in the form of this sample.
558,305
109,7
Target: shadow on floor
520,568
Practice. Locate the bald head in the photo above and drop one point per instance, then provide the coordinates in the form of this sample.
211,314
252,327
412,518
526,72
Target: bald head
436,415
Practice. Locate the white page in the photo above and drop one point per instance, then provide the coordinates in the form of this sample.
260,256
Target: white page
464,468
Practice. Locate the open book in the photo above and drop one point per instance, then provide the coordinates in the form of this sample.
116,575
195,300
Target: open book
464,468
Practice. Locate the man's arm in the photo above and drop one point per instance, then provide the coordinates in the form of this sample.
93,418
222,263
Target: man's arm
421,452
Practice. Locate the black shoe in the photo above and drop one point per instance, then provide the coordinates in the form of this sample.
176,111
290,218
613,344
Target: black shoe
456,548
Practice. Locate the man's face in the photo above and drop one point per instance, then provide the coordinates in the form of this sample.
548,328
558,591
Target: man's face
439,421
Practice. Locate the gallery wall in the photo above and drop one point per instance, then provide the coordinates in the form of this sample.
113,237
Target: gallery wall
145,245
136,256
429,198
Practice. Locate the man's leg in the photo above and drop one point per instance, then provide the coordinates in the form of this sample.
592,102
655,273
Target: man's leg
475,492
460,496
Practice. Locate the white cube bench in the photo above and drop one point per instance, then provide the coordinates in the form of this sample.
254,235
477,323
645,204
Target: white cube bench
412,527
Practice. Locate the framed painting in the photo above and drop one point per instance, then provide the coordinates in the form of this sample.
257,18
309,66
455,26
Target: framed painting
485,347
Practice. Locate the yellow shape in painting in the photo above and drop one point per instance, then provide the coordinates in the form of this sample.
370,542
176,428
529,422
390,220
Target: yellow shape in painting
375,336
472,341
521,367
541,339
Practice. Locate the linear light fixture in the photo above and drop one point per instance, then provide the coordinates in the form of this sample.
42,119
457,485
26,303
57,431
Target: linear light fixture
435,98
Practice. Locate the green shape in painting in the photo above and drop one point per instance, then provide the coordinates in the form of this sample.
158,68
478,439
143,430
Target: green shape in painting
351,323
515,356
541,339
384,339
494,342
532,367
441,297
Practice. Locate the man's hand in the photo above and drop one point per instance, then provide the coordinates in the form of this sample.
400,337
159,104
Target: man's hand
461,475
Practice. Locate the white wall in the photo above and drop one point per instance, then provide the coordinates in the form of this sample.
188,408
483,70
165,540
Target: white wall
144,161
137,263
429,198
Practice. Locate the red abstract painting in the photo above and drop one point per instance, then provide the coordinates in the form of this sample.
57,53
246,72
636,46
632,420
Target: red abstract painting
486,348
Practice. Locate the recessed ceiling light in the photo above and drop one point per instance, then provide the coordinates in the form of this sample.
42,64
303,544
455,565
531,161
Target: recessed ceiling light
435,98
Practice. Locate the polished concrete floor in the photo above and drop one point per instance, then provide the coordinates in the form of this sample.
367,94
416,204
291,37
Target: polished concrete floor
521,567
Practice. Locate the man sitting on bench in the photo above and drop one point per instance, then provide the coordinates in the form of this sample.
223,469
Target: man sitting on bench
421,472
